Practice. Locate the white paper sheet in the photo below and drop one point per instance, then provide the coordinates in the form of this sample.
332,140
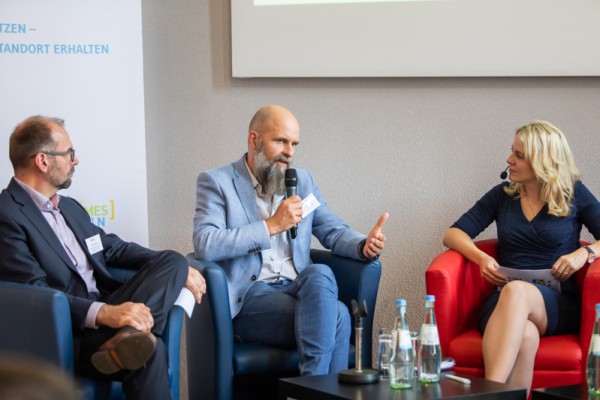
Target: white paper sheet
540,276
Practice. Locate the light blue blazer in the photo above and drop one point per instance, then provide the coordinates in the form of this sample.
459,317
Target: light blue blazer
227,229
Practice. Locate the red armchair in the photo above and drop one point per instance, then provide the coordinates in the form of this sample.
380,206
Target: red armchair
459,290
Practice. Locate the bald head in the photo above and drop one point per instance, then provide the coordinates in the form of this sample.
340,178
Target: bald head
271,117
272,122
272,140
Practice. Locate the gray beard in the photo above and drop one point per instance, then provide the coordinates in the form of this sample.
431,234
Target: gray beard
58,184
56,181
271,177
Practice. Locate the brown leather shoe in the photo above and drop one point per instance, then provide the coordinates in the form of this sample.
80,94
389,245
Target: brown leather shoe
128,349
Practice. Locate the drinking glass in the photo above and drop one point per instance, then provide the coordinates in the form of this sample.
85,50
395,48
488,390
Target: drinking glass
384,349
414,337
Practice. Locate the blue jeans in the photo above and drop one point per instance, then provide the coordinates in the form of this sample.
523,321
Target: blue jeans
303,314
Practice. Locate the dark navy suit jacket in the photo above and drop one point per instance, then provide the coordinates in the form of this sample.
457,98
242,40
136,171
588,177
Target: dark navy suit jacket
31,253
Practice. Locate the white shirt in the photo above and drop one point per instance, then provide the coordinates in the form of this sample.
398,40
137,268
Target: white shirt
277,260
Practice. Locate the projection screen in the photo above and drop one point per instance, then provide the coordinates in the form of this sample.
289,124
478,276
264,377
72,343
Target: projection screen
419,38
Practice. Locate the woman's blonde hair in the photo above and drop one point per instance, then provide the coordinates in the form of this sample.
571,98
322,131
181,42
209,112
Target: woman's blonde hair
547,151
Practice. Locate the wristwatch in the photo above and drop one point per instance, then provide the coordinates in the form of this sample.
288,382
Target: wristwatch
591,255
360,248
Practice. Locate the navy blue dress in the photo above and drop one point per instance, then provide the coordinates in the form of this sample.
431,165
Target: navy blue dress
535,244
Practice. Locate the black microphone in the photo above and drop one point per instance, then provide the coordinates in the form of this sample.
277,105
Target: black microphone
504,174
291,189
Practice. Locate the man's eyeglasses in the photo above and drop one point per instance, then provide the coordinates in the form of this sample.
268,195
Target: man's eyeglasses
70,153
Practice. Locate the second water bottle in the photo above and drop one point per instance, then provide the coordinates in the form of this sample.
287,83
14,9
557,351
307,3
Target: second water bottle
402,364
430,352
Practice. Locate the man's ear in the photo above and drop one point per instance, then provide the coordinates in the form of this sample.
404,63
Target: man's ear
253,138
41,161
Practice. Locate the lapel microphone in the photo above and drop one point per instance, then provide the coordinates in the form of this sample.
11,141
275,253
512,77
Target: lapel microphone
504,174
291,189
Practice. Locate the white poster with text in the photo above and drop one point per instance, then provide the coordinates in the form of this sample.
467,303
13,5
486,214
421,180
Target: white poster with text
81,60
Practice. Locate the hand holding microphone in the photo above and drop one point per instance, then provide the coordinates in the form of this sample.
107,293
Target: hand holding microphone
289,212
287,215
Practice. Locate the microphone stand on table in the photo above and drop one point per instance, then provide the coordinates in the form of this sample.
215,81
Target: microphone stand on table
358,375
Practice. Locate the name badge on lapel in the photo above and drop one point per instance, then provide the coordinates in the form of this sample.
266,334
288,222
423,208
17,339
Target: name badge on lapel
94,244
309,204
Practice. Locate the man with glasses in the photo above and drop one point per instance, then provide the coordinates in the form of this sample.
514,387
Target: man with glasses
70,153
48,240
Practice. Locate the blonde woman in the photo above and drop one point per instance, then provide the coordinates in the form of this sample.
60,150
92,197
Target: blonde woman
538,215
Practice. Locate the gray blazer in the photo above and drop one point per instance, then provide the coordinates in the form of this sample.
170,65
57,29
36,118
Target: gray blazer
227,228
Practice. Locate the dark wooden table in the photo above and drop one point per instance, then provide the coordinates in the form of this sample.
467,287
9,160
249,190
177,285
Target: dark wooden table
327,387
573,392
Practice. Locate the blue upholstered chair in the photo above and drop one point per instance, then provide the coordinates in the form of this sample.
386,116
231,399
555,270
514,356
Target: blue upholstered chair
36,321
220,369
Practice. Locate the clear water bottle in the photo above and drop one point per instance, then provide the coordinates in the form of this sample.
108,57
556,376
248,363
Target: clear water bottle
430,351
402,364
593,360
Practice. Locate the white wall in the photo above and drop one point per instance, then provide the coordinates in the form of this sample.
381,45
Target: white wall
422,149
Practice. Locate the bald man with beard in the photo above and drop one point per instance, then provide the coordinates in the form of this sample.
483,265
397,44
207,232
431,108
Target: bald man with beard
277,295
